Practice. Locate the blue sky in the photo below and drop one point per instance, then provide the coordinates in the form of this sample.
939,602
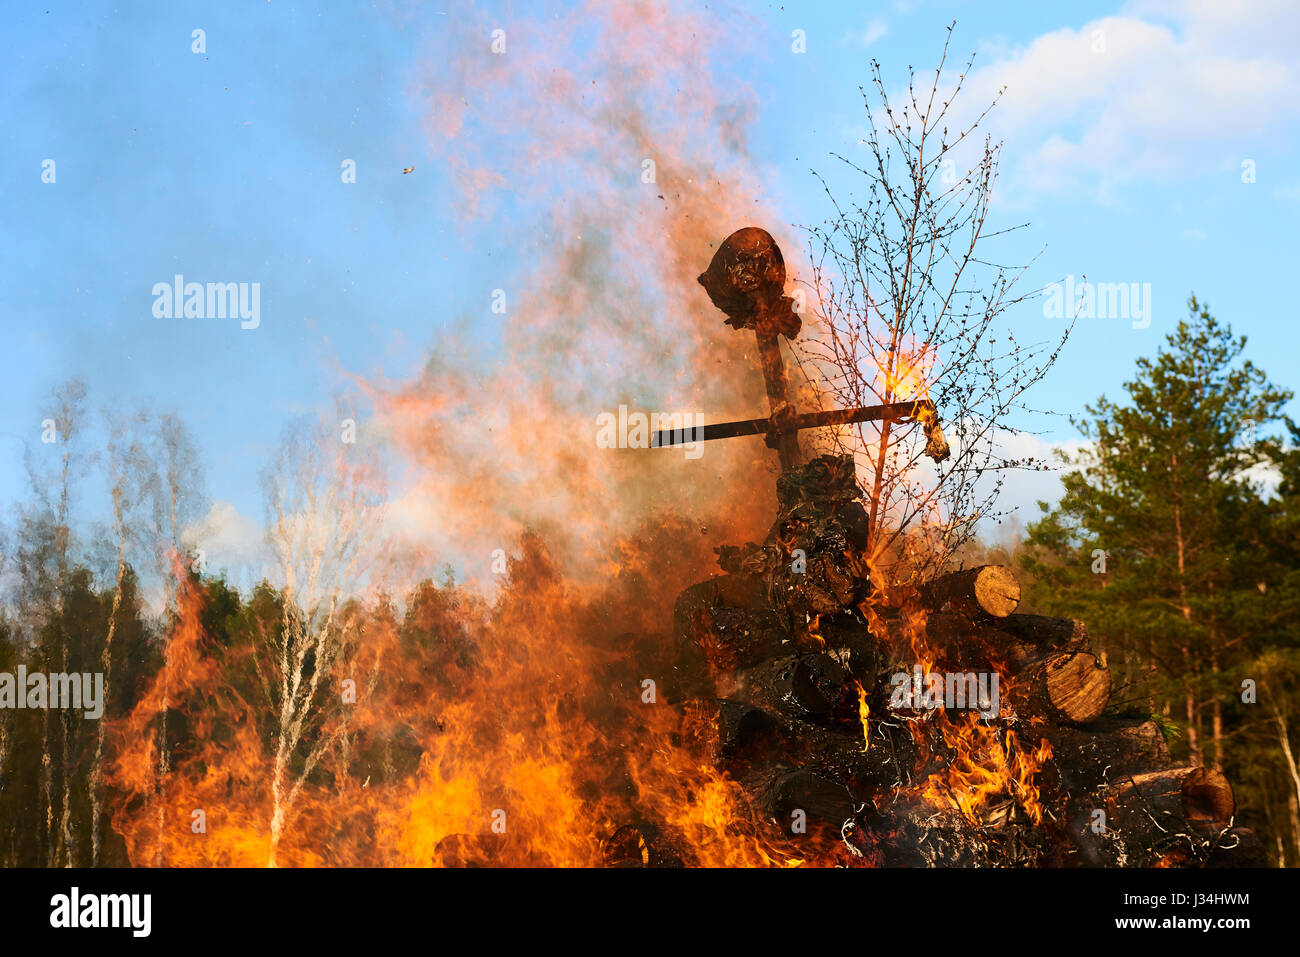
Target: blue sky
1124,154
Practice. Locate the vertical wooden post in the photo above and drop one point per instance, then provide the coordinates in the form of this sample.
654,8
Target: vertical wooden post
769,353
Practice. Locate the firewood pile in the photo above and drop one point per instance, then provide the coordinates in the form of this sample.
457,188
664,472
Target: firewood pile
928,726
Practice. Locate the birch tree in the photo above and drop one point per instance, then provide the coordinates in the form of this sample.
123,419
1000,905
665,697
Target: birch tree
44,555
322,494
177,499
135,483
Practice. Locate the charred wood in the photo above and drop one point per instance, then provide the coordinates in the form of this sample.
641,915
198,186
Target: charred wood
794,796
866,764
1200,797
732,734
646,845
1176,817
1238,847
810,687
1020,639
723,624
1107,750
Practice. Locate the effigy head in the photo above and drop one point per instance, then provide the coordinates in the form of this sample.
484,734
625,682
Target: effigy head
746,280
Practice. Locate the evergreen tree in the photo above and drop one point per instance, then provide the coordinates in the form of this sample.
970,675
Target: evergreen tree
1167,538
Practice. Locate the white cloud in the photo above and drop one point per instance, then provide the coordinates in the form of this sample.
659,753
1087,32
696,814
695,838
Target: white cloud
1164,89
1023,489
875,29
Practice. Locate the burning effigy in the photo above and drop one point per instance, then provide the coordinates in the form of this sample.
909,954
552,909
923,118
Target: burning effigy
802,704
928,725
536,650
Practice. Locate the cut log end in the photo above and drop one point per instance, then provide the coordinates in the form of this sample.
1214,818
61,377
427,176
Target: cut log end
644,845
1207,796
1069,687
1198,795
997,591
1077,686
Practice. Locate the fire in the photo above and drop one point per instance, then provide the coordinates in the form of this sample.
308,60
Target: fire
909,379
903,373
523,718
528,760
864,713
517,718
986,763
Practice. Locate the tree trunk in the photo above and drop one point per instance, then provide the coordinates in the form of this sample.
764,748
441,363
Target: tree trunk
106,660
1193,739
1284,741
47,792
1293,805
1216,715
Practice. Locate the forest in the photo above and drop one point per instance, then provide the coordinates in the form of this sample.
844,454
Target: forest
306,723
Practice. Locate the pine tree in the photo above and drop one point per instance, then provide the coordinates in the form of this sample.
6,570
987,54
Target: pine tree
1161,539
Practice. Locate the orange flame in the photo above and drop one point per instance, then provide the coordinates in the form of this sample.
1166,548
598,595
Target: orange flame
522,723
986,763
864,713
909,379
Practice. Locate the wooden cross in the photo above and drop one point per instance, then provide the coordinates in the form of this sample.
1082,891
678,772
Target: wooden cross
746,280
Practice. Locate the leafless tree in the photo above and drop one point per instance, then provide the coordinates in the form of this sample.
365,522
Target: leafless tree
44,559
8,645
911,304
179,498
135,483
322,494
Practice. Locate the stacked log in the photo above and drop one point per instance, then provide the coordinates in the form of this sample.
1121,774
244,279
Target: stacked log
1126,804
646,845
785,666
987,591
1067,687
1109,749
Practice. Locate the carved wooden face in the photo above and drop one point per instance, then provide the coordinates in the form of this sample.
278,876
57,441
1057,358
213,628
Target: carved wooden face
746,276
